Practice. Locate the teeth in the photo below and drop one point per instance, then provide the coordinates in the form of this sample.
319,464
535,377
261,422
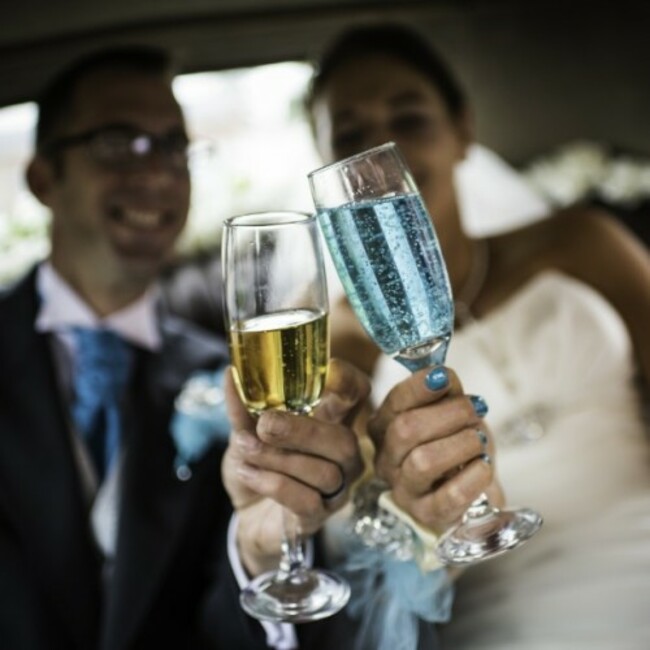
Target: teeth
142,218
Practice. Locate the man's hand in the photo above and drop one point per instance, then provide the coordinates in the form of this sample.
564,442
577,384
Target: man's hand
433,448
282,459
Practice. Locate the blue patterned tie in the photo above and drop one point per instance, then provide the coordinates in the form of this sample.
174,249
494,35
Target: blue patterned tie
102,370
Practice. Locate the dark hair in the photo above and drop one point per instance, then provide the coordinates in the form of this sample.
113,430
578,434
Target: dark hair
395,39
56,100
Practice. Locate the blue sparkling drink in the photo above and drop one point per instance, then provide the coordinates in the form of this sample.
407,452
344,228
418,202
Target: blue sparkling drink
388,258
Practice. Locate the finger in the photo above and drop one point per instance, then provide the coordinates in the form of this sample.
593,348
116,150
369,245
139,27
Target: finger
300,499
424,387
429,463
325,476
346,390
309,436
446,504
240,494
410,429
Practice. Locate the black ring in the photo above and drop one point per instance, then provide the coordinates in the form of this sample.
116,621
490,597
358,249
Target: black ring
330,496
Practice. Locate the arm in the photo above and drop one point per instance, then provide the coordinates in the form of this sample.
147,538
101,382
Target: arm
287,460
595,248
425,429
424,432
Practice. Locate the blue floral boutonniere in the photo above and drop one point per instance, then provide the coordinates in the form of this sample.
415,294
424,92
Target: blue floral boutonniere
200,419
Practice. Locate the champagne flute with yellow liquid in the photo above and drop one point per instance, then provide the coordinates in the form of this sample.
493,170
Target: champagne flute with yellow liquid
276,309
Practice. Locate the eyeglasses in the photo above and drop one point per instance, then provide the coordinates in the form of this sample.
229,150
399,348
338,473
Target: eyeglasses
125,147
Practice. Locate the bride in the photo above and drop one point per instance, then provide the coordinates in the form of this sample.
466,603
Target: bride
553,330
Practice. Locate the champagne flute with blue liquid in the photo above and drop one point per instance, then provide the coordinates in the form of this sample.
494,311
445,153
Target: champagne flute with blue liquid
387,255
276,308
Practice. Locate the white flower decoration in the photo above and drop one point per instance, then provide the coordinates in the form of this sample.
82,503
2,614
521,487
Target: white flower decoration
200,419
584,169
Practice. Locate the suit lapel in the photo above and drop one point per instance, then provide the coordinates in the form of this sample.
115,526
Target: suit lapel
155,504
39,482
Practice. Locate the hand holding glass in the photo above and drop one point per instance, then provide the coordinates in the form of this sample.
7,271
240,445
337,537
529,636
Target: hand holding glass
276,309
388,258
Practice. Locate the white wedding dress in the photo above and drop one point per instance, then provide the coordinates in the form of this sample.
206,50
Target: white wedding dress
555,366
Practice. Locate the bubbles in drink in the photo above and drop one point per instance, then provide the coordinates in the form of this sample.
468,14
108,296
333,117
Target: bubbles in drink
388,258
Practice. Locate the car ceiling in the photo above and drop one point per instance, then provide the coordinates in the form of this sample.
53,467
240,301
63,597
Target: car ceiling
540,72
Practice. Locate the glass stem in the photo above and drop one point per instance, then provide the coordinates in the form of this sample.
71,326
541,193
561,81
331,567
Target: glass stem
292,560
479,508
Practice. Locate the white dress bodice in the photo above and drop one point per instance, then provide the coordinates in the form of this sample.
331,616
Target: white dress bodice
555,366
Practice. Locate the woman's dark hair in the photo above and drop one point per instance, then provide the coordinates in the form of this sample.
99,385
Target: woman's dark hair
395,39
56,100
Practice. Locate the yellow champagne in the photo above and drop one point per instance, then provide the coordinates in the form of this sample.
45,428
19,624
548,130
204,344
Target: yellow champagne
280,359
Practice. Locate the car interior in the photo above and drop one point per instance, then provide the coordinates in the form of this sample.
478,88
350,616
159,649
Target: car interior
553,82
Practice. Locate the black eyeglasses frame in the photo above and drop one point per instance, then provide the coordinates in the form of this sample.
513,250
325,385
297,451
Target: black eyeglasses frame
175,146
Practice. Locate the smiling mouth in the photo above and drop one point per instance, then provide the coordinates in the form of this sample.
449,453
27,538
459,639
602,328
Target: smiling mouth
145,220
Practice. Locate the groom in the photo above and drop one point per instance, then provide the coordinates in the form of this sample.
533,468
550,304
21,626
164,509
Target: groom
113,522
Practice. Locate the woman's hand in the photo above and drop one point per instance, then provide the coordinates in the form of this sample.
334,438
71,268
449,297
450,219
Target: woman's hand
305,464
433,447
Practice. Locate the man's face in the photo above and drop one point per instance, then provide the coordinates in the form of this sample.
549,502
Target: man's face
117,226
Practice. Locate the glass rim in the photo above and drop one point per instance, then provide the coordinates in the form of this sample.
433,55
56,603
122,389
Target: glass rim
268,218
350,159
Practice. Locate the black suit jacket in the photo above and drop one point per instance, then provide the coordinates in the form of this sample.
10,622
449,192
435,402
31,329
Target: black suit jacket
171,586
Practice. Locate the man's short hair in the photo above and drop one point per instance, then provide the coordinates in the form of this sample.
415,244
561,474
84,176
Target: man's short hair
56,100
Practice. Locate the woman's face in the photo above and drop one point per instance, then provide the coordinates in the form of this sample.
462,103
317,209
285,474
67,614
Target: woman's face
371,100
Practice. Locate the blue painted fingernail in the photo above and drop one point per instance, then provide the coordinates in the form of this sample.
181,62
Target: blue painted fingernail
479,404
437,378
482,436
486,459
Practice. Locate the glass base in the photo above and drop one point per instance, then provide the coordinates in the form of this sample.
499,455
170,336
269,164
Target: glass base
482,538
298,597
